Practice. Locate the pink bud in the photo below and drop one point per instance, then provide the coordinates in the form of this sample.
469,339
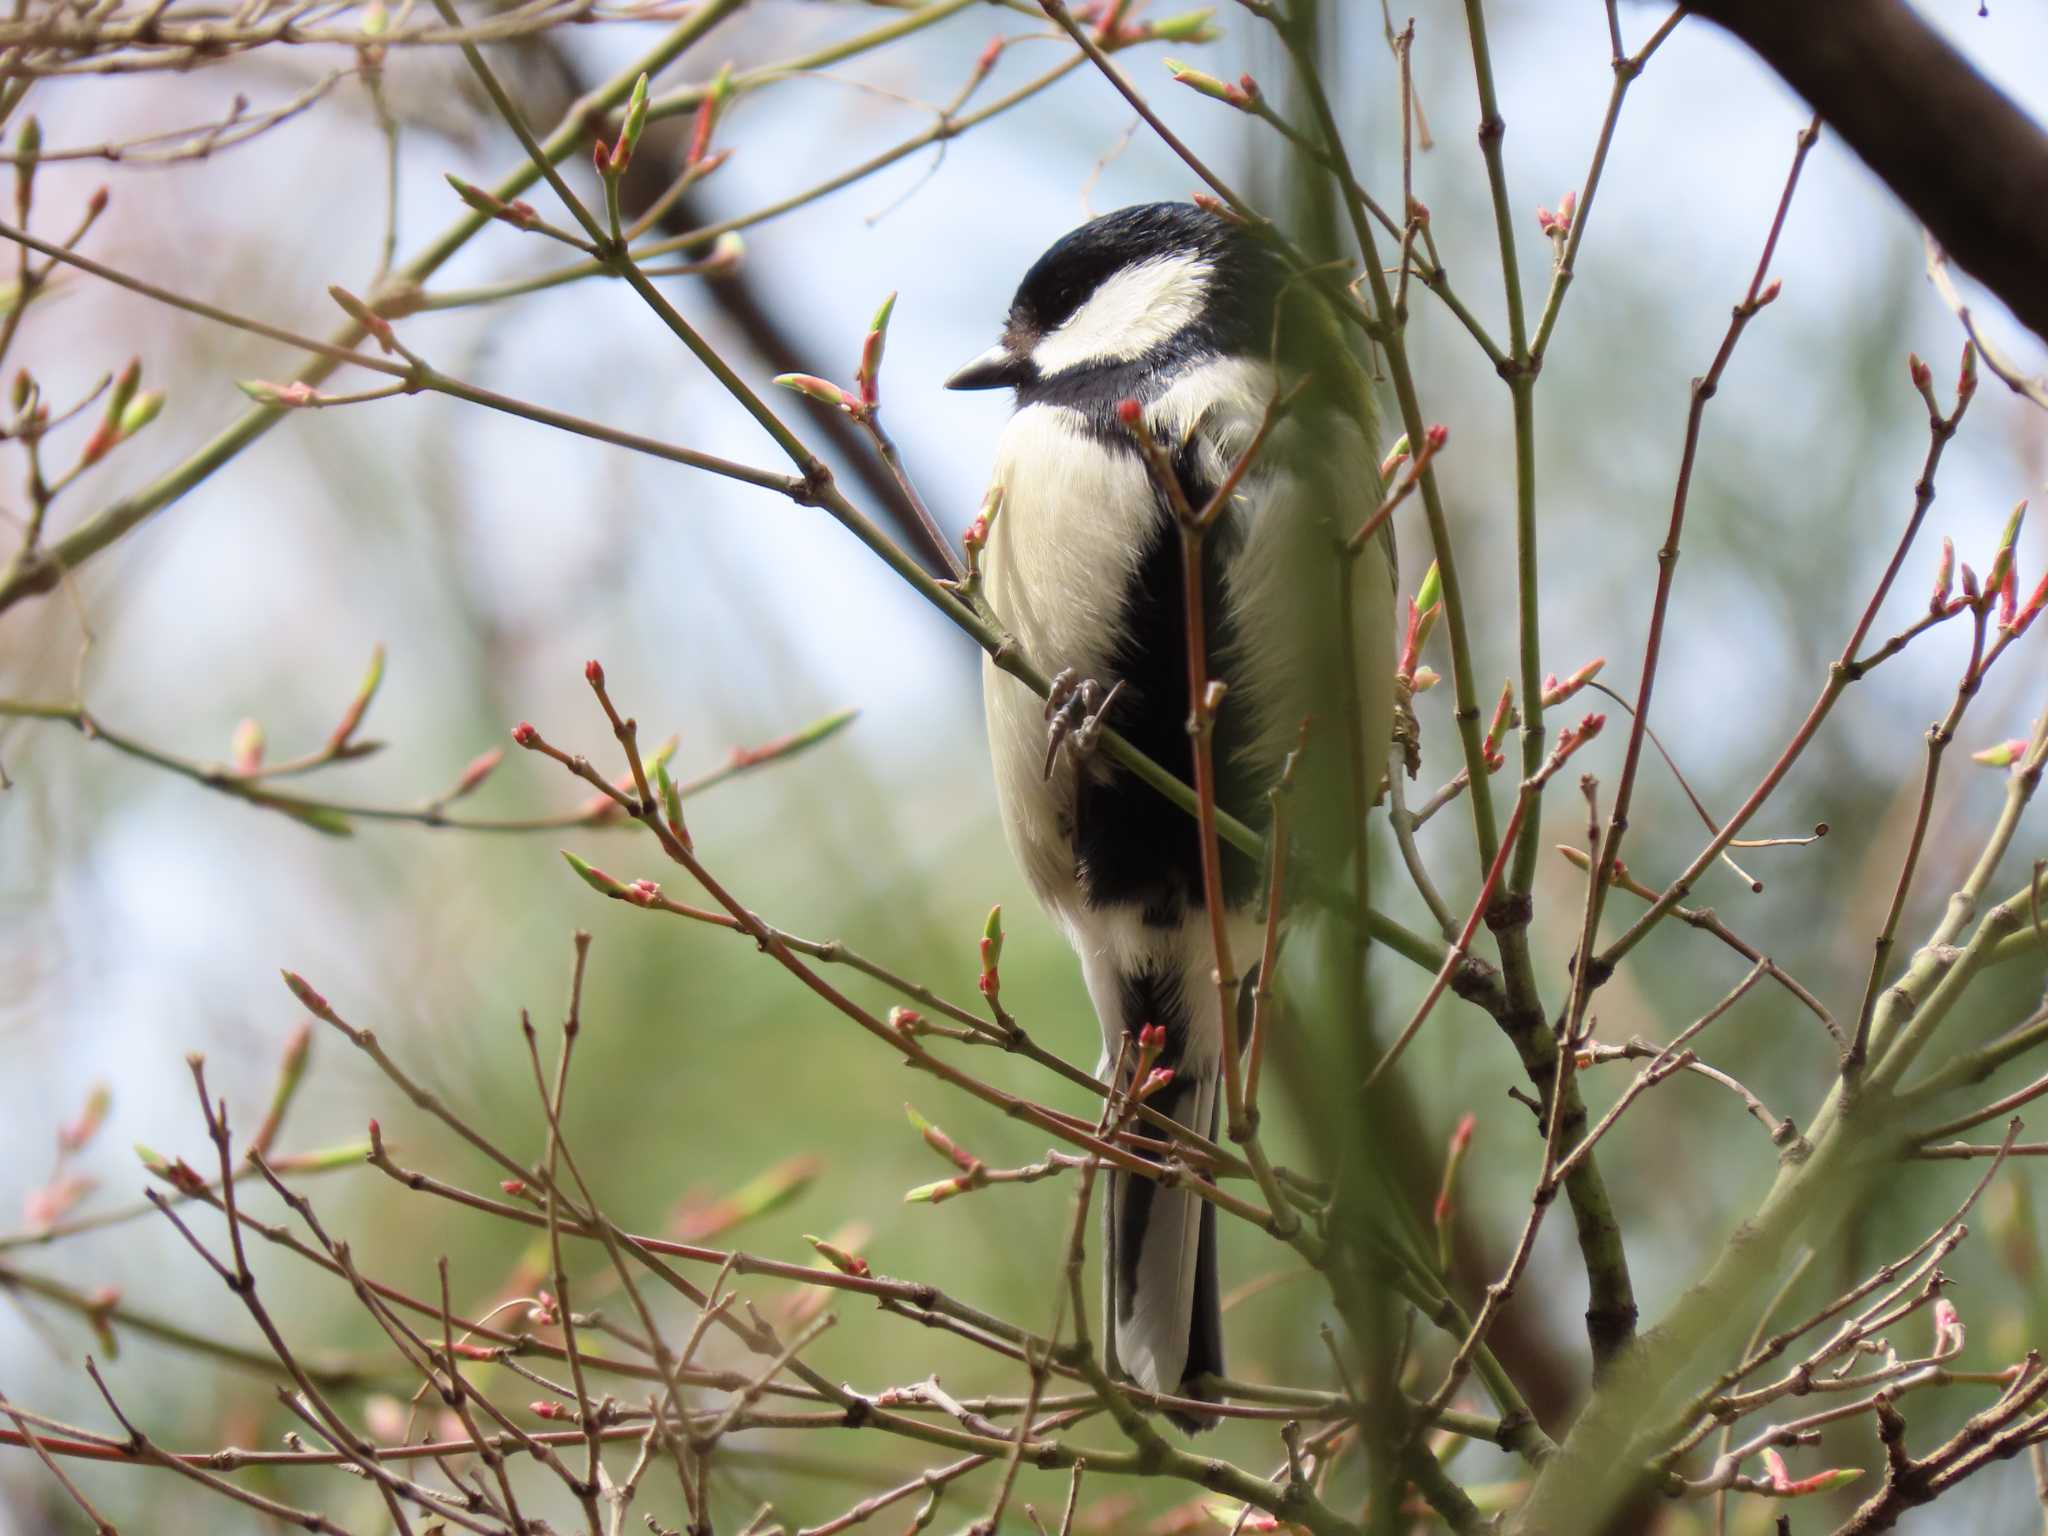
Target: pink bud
97,203
478,770
700,130
1155,1080
1921,375
593,674
1949,1332
986,60
1437,436
524,734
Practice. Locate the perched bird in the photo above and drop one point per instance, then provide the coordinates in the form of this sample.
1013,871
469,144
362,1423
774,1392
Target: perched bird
1195,319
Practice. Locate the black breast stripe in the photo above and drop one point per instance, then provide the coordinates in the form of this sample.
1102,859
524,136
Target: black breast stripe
1132,846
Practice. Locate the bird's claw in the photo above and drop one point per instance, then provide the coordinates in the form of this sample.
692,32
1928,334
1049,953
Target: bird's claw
1075,709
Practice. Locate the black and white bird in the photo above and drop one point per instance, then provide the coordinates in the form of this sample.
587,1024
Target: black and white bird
1192,317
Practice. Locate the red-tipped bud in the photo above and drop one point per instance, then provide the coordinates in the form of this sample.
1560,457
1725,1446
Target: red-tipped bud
869,373
97,203
2003,755
986,59
548,1408
516,1188
1786,1486
1437,436
824,391
1503,717
373,323
597,879
1555,692
941,1143
1921,375
1208,85
1152,1037
846,1263
601,159
906,1021
310,1000
644,893
593,673
524,735
1157,1079
1130,413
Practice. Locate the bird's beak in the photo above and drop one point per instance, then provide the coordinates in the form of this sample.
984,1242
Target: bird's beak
997,368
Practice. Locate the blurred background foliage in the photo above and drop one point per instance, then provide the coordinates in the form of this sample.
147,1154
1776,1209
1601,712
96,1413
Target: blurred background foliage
142,917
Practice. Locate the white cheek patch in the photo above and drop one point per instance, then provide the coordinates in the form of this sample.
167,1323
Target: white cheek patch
1131,313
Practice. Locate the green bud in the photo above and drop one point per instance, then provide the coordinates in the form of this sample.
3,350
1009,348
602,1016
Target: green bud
595,878
125,383
326,1160
141,411
992,939
636,115
1432,590
1207,84
1189,27
320,818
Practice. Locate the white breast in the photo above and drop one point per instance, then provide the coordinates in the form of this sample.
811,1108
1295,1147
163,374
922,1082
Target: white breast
1075,521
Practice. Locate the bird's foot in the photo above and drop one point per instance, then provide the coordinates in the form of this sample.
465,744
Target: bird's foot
1075,708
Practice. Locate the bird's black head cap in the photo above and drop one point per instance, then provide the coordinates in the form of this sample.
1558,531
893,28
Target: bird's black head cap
1207,287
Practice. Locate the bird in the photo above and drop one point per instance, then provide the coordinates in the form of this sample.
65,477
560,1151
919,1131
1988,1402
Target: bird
1193,316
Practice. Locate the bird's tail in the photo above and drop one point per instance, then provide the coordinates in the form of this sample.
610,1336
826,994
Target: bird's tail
1162,1302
